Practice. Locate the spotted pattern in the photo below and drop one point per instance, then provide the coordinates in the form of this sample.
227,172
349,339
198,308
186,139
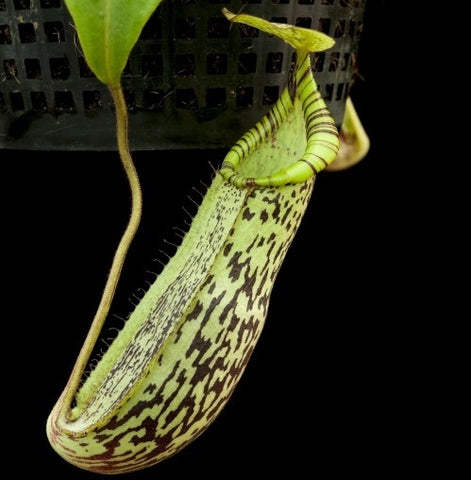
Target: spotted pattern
175,364
161,308
179,397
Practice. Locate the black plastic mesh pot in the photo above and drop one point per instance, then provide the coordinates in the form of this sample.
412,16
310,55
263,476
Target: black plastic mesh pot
193,80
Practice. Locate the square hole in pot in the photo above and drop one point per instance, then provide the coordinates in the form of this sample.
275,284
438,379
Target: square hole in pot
352,28
247,31
27,33
60,69
329,91
339,91
185,64
10,69
153,99
92,100
3,107
270,94
345,61
185,28
304,22
186,98
339,29
22,4
16,101
334,61
324,25
152,65
54,32
64,102
33,68
247,63
5,35
244,97
215,97
318,61
216,64
38,101
274,62
218,27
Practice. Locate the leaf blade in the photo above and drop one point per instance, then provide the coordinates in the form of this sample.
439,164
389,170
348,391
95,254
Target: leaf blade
108,31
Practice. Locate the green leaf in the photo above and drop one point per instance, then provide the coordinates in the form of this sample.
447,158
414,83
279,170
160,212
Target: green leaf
108,30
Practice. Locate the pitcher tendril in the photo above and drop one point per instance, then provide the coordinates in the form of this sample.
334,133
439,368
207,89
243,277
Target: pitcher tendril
121,251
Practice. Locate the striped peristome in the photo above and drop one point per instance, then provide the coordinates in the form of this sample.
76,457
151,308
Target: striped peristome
174,365
322,146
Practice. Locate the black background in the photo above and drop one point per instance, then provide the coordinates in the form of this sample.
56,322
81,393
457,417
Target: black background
321,392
